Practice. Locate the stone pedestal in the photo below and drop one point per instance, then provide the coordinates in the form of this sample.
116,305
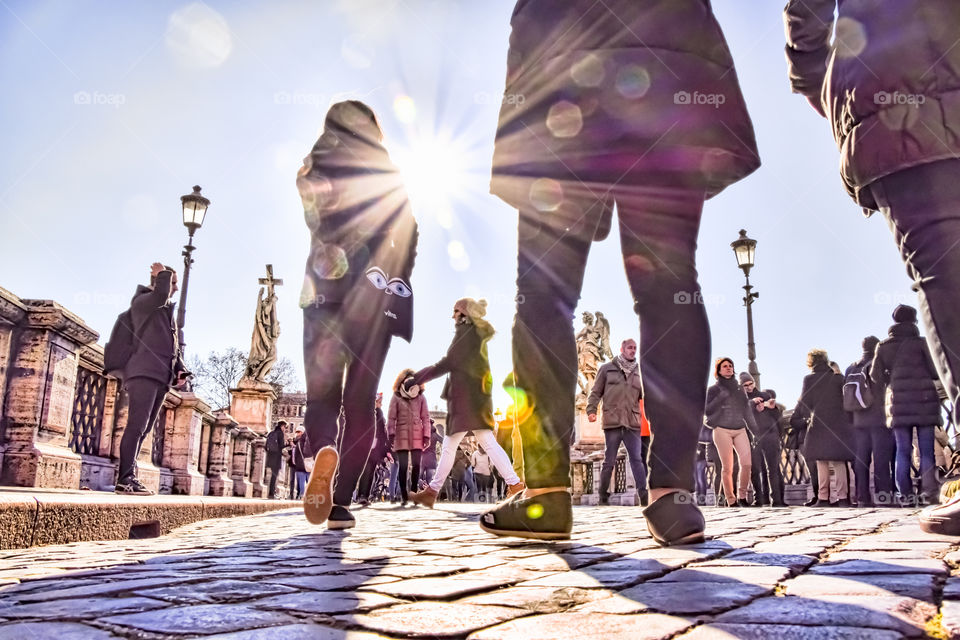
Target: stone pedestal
586,432
42,376
220,458
183,443
259,464
251,405
242,462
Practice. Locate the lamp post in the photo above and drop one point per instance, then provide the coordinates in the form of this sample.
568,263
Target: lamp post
194,209
743,248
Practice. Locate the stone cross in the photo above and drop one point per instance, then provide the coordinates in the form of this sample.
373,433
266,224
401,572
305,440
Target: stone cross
270,281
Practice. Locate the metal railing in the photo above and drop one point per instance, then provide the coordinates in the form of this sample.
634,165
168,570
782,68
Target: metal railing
87,421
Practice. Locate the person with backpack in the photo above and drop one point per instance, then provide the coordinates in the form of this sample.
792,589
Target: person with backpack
144,349
276,441
863,401
299,461
903,364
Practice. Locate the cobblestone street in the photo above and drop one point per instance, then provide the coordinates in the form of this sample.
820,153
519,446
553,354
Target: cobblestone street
766,573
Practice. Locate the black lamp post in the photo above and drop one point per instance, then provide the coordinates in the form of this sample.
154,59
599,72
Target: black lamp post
194,209
743,248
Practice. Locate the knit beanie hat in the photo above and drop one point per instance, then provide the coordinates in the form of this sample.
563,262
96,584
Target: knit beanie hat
473,309
870,343
746,377
716,366
905,313
770,394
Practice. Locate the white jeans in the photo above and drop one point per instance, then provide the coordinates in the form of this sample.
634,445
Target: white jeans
489,443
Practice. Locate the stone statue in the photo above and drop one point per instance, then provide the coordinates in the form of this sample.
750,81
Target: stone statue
266,330
589,357
603,328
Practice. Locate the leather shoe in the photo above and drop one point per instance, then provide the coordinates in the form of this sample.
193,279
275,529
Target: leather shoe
675,519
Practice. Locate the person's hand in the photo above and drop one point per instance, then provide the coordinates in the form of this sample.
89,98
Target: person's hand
156,268
592,417
389,456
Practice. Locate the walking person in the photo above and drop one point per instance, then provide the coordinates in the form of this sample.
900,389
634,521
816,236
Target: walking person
730,413
428,459
609,119
356,297
274,446
873,438
155,365
467,392
829,439
766,451
903,365
299,462
378,452
618,387
480,462
408,428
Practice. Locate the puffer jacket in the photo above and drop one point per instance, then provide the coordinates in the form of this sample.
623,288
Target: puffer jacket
727,407
903,363
620,395
408,424
889,82
617,92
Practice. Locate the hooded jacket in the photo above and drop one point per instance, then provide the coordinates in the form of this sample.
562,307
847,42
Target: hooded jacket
903,363
889,82
156,354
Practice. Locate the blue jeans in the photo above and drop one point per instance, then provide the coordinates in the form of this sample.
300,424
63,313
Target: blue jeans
632,441
394,480
301,479
928,466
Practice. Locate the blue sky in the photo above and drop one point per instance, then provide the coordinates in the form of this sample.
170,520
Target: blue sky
111,111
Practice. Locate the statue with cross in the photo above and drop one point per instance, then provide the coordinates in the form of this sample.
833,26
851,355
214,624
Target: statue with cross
266,330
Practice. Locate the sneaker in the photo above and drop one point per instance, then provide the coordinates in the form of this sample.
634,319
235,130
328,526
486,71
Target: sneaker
843,503
822,504
674,519
943,519
548,516
318,496
514,489
340,518
133,487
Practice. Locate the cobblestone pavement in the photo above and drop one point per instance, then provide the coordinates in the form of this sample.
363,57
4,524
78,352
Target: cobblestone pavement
766,573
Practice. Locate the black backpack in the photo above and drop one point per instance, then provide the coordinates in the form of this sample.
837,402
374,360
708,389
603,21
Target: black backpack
273,442
857,390
121,345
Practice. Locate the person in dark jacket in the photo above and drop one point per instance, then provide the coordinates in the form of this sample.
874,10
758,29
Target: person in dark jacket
767,477
873,439
378,451
903,365
274,446
428,460
618,387
730,414
155,365
889,86
356,296
298,460
829,440
633,104
468,395
408,428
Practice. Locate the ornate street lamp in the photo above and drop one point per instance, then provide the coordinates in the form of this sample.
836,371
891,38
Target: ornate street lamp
743,248
194,210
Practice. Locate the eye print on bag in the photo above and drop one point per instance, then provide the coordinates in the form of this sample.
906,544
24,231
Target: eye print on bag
392,286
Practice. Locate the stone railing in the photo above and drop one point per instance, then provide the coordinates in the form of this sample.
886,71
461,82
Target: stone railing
62,419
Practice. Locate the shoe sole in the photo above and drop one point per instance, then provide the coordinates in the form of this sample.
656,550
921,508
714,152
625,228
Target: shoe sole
318,494
531,535
341,524
693,538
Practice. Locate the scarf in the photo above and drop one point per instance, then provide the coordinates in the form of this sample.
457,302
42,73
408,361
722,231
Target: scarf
627,366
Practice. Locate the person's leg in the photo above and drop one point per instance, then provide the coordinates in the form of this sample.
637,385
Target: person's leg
713,459
723,439
658,240
366,479
861,464
394,480
145,401
904,444
415,456
448,451
741,443
823,475
884,446
634,447
301,482
498,457
772,453
471,485
324,358
402,459
929,487
843,479
612,438
272,486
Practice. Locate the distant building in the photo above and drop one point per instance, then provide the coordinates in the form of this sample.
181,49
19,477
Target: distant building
290,407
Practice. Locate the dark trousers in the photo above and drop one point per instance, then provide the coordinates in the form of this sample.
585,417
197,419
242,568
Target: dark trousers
922,208
331,347
145,402
634,446
409,483
365,483
273,465
904,460
875,441
766,476
658,238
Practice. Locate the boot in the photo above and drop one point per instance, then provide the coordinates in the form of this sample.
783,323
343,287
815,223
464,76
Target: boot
426,498
514,489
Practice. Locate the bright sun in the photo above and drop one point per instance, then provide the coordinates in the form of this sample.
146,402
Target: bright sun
434,171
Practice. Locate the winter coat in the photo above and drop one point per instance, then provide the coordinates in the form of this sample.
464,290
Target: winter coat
157,353
829,434
297,455
727,406
872,415
467,390
619,92
408,423
363,235
620,395
890,83
274,447
429,458
768,420
903,363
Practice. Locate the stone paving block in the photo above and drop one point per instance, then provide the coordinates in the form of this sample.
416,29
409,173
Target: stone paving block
762,575
951,618
718,630
98,589
211,618
77,609
539,599
892,565
439,588
563,626
879,543
214,592
587,579
58,630
951,589
953,557
904,615
748,557
296,632
433,619
325,602
919,585
333,582
678,598
878,556
788,547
